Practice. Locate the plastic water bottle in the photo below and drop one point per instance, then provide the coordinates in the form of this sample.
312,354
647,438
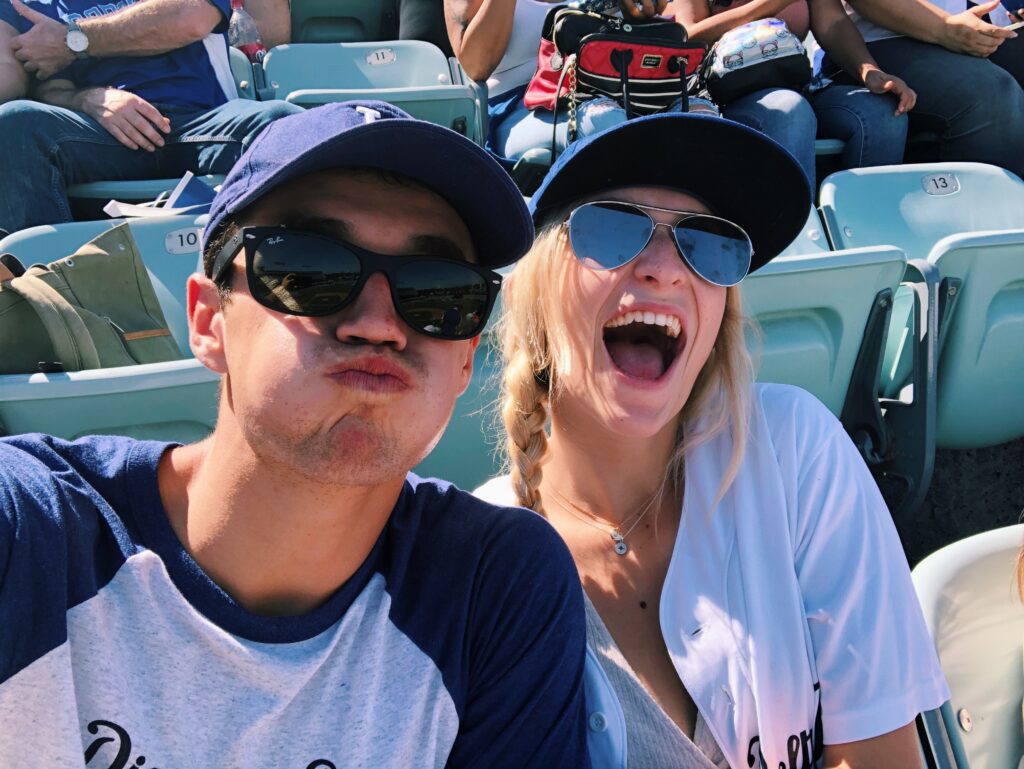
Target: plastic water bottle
243,33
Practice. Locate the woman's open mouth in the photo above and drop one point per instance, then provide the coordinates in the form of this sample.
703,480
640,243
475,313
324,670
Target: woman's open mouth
644,344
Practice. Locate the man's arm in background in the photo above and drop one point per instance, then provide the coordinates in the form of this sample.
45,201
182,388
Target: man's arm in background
13,78
274,20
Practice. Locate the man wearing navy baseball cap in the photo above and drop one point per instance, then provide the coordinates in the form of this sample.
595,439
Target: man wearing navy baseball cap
284,594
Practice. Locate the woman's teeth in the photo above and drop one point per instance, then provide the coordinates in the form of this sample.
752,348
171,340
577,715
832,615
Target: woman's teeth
671,324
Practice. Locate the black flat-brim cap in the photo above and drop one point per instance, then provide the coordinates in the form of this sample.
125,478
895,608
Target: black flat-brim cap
377,135
739,173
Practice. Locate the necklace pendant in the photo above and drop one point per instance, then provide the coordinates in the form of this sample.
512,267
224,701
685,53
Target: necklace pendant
621,548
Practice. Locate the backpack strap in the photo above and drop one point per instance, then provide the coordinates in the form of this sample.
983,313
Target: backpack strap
72,343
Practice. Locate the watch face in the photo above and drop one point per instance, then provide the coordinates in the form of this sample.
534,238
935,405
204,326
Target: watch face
77,41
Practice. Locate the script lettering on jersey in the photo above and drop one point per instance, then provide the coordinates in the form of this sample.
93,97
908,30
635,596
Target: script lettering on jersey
101,9
803,751
113,748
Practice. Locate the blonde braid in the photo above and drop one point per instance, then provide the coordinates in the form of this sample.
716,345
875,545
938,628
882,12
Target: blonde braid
525,416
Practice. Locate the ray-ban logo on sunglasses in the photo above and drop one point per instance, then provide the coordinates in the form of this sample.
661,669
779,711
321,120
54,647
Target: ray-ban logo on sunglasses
275,241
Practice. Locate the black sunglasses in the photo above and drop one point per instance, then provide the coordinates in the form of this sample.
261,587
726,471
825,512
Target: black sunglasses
607,234
302,273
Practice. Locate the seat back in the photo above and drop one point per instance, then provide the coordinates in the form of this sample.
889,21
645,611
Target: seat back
981,362
812,310
176,400
356,66
241,71
968,592
342,21
914,206
410,74
811,239
468,452
169,246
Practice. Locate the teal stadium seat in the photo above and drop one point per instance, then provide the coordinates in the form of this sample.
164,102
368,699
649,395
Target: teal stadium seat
410,74
964,220
968,592
812,310
175,400
342,21
468,452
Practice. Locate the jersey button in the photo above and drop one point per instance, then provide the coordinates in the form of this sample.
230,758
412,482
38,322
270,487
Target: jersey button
598,722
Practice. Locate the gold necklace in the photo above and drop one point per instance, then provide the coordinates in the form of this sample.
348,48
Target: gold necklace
620,545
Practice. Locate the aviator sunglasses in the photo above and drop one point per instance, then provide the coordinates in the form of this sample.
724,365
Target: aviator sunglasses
303,273
607,234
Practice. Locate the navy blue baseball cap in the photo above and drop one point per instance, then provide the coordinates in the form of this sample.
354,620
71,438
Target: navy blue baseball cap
377,135
739,173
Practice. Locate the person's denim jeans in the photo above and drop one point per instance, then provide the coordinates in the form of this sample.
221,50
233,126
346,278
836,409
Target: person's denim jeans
782,114
524,129
974,107
865,121
48,148
874,135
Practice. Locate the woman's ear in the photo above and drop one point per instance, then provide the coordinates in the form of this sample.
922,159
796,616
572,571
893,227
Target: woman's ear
205,307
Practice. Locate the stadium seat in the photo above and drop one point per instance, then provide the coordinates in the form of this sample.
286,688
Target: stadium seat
919,208
342,21
172,401
981,358
913,207
811,239
468,452
411,74
968,591
242,72
813,310
823,318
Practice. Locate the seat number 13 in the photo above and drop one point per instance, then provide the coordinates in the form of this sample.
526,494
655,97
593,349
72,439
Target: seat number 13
940,184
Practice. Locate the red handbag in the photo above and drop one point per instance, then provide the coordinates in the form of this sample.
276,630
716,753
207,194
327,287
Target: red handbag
642,65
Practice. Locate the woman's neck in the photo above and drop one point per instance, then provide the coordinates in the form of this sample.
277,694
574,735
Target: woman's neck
608,475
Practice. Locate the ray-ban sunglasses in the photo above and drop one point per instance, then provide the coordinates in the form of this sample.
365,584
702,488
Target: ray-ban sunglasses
607,234
303,273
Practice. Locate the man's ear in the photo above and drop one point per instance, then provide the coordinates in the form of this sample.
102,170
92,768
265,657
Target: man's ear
206,322
467,364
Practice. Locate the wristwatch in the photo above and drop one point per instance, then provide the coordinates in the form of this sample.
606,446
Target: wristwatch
77,41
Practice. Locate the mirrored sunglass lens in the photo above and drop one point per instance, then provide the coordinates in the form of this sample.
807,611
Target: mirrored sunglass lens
605,235
441,298
715,249
304,273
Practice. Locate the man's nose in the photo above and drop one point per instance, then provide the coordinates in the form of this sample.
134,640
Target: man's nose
372,318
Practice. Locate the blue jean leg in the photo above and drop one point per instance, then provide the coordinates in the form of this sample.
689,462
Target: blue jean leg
785,116
210,142
874,135
524,129
975,107
48,148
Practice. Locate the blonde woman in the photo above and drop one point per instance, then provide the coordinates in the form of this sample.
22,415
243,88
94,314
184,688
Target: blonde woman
749,604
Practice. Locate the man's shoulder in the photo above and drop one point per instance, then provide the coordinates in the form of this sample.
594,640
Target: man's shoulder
62,535
52,488
492,531
462,554
35,463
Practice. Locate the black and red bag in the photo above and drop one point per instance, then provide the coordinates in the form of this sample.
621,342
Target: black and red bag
642,65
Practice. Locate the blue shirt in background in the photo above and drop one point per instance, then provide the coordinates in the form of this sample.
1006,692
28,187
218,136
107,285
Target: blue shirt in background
194,78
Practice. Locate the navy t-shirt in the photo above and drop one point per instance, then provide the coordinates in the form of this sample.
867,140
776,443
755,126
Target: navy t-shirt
193,78
459,641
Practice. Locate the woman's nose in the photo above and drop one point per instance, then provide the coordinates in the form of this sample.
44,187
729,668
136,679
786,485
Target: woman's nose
660,261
